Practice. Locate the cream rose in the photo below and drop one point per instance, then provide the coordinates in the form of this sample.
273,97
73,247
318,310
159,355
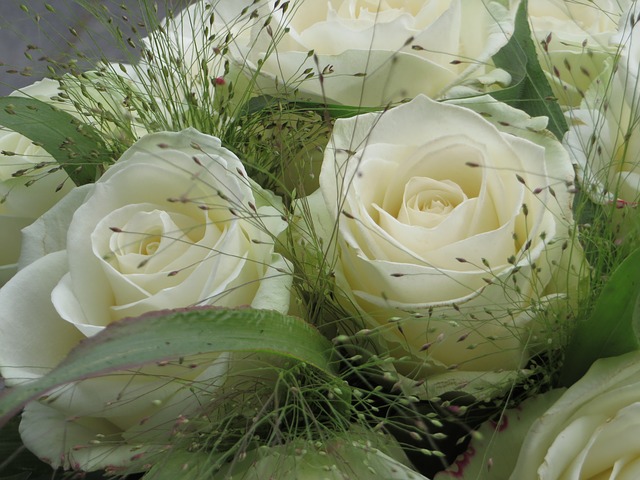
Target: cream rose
587,432
175,222
603,137
448,230
375,52
574,39
25,197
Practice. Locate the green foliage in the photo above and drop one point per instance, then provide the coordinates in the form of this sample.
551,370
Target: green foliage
530,90
256,104
75,145
169,334
16,462
613,327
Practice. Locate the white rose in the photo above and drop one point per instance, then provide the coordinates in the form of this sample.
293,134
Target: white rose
573,42
376,52
25,197
448,230
603,137
588,432
174,223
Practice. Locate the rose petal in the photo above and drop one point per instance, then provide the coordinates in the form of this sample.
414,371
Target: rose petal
365,51
33,337
606,444
10,239
346,84
276,278
52,436
48,233
569,446
68,307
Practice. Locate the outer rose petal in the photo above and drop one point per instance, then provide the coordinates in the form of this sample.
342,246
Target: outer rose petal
48,233
277,278
33,337
347,86
104,421
50,434
10,239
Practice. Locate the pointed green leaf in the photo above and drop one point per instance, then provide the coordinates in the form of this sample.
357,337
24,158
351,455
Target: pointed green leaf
336,111
262,102
76,146
530,90
614,326
170,334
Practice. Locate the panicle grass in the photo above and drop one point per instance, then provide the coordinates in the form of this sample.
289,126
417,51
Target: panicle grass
170,84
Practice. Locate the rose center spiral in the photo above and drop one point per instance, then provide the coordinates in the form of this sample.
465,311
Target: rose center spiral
150,244
426,201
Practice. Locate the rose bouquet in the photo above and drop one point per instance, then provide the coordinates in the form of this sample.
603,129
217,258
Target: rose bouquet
343,239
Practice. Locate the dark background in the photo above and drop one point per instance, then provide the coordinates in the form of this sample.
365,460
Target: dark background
52,36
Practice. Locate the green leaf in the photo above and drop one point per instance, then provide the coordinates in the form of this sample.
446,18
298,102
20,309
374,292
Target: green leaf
614,326
256,104
76,146
530,91
336,111
170,334
259,103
